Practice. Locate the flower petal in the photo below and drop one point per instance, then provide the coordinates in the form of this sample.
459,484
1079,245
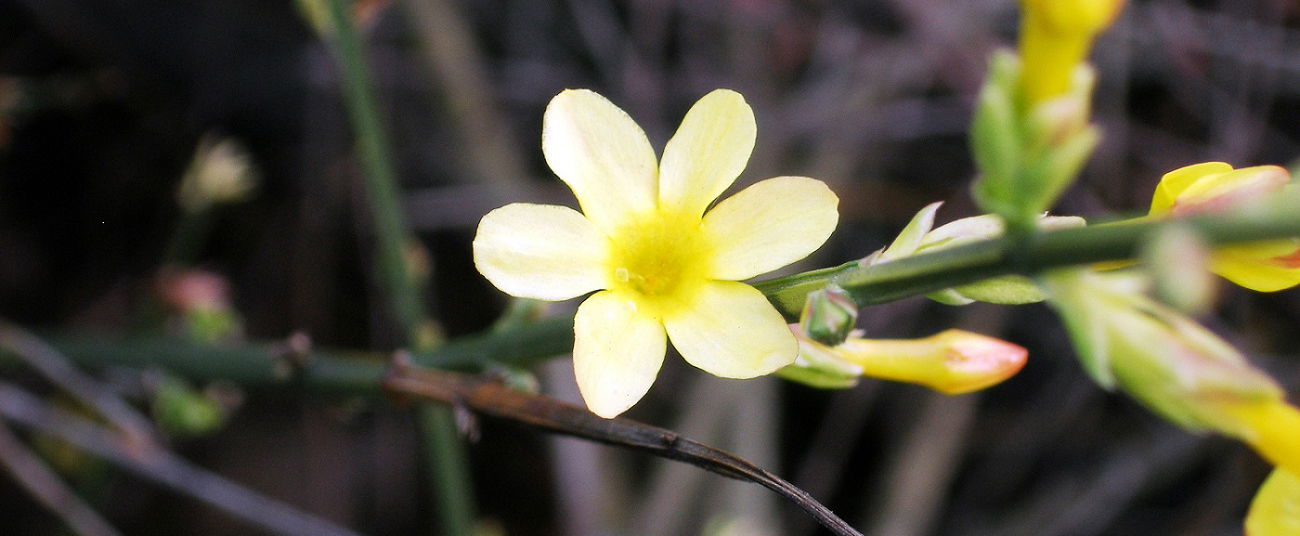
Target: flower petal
1173,184
769,225
1275,511
617,351
707,153
730,330
545,252
601,153
1258,266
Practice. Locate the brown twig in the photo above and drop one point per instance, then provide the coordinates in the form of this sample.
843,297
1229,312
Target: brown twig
492,398
43,484
163,467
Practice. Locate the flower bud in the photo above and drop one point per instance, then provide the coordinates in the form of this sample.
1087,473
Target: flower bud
222,172
1276,508
1173,365
1216,187
828,315
1055,37
951,362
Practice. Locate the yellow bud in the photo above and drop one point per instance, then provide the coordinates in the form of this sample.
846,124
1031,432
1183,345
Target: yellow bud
951,362
1216,187
1055,37
1276,508
1272,428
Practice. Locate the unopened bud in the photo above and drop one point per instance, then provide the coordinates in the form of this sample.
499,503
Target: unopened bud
1271,427
829,315
1275,511
951,362
222,171
1055,37
1173,365
1215,187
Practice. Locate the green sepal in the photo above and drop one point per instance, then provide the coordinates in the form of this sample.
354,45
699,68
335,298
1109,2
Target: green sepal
1077,309
816,367
996,142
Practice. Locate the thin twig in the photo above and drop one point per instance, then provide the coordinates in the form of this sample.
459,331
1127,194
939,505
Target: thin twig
59,370
163,467
549,414
43,484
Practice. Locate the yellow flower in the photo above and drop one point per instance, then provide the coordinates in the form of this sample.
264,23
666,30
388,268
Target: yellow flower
1055,37
663,268
1214,186
1276,508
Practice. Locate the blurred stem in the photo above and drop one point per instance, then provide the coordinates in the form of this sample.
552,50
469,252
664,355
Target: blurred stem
447,459
391,235
30,472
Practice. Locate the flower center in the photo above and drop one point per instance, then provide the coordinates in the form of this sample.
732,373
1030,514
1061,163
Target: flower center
660,257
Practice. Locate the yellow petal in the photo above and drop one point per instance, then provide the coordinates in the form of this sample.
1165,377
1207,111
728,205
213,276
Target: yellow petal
1272,428
602,155
1256,266
1276,508
730,330
1173,184
544,252
1223,191
707,153
617,351
769,225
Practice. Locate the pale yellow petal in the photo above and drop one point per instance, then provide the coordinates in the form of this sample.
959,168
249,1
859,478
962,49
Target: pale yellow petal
601,153
617,351
769,225
730,330
1275,511
544,252
707,153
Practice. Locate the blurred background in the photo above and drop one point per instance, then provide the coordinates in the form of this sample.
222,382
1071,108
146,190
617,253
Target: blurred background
157,153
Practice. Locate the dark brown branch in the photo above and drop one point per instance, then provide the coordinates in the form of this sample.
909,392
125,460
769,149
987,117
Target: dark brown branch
44,485
493,398
159,465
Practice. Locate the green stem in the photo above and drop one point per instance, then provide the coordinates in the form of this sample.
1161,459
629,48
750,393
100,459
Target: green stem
391,234
446,455
921,274
527,343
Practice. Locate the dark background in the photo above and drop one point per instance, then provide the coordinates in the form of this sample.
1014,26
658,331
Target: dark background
102,104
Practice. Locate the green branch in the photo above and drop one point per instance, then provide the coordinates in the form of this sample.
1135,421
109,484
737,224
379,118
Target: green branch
527,343
921,274
445,453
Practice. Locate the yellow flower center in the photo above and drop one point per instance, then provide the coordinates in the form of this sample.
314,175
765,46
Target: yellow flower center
659,257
